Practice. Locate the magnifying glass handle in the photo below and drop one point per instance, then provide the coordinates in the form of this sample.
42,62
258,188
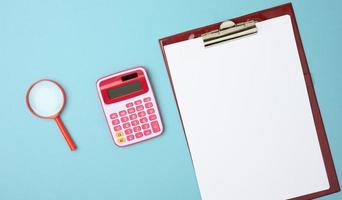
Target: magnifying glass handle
65,133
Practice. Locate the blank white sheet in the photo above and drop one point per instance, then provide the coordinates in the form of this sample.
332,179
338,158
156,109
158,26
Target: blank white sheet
247,116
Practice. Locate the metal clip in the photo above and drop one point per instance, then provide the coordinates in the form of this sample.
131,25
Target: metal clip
229,30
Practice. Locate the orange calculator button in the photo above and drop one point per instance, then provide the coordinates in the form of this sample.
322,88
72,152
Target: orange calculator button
119,134
121,140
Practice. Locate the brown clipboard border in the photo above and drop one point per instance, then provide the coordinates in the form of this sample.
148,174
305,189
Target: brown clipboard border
285,9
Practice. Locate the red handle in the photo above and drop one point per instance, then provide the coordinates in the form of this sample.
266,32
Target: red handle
65,133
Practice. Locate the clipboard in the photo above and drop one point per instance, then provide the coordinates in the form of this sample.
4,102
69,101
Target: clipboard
193,60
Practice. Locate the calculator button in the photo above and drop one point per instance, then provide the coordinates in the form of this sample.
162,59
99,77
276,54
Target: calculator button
131,110
124,119
117,128
133,116
115,122
121,140
148,105
128,131
152,117
155,126
150,111
143,120
129,105
113,116
126,125
119,134
135,122
147,132
122,113
145,126
138,102
136,129
130,137
139,135
139,108
141,114
147,99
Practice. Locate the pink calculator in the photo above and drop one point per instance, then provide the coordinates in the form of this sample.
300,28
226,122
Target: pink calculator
130,106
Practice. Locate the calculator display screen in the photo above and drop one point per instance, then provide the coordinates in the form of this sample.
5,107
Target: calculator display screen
126,89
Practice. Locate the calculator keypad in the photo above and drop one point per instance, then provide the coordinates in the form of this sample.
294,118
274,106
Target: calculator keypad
136,121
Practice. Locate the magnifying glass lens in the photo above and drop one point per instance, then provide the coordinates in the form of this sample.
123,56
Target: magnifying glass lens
46,99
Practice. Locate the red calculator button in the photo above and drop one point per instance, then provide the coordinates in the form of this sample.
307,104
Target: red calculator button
133,116
143,120
130,137
147,99
136,129
155,126
128,131
152,117
129,105
147,132
138,102
115,122
117,128
122,113
141,114
124,119
131,110
139,135
150,111
139,108
126,125
148,105
113,116
145,126
135,122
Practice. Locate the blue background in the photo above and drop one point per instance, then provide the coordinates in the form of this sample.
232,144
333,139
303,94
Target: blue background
75,43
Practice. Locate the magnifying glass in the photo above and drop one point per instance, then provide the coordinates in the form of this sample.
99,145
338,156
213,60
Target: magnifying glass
46,99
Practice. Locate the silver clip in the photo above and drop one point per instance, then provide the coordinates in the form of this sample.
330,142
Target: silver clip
229,30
